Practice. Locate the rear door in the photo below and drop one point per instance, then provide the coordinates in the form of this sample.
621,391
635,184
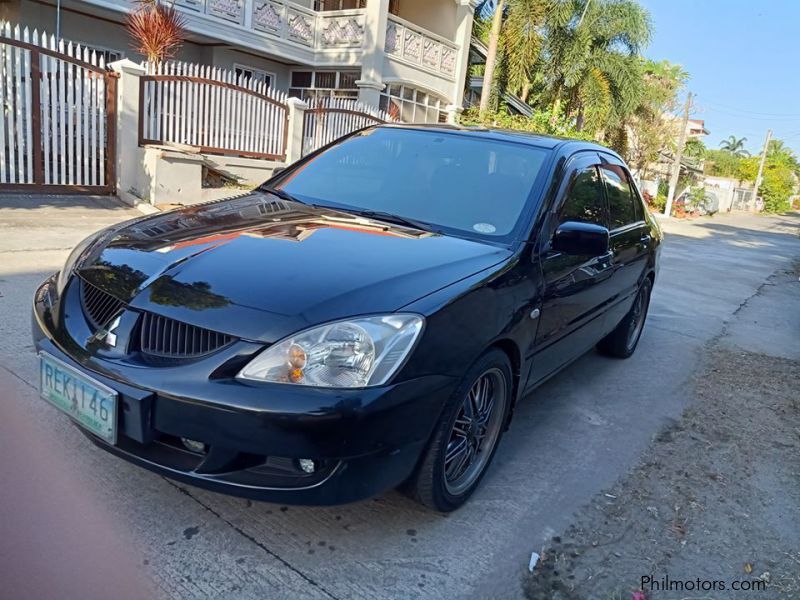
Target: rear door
630,236
577,288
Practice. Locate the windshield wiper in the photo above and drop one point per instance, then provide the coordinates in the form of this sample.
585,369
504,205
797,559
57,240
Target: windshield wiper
371,214
391,218
282,194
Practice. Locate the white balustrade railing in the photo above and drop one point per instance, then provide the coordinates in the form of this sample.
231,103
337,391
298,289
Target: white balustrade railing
411,44
323,30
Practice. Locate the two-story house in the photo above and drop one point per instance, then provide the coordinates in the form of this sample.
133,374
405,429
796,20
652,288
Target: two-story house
408,57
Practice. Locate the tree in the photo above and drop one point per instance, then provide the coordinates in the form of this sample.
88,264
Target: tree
721,163
651,130
590,59
158,30
513,44
780,176
781,171
694,149
734,145
491,56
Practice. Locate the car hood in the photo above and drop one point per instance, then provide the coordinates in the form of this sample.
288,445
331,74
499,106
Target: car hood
261,268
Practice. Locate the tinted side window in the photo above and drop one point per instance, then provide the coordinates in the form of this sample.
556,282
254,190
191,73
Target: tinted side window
637,203
621,210
584,201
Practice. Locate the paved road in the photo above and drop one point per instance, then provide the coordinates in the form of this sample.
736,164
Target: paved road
572,438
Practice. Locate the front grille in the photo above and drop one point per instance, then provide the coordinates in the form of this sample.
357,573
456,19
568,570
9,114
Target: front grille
166,338
98,306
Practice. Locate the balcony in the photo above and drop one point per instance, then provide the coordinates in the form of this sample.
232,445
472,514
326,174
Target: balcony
292,31
413,45
287,21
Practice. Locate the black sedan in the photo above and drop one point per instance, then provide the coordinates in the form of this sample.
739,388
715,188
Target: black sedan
366,319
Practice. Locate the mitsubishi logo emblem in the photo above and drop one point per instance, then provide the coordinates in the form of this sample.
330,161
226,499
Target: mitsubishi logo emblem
110,335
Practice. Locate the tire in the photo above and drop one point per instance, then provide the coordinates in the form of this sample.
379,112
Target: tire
622,342
434,483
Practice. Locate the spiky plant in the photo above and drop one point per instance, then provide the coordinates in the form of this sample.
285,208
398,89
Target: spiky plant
158,30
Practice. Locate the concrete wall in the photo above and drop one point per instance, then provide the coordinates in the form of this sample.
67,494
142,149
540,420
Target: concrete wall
395,71
103,32
171,177
438,17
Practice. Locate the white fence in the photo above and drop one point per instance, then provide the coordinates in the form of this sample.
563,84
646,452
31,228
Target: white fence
56,102
212,109
328,119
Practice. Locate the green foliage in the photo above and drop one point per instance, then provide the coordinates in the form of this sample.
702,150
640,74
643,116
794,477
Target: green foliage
651,132
542,121
694,148
698,199
779,179
659,203
777,187
592,66
722,163
734,145
582,63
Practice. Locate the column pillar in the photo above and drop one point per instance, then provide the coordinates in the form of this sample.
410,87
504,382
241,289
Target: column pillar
371,82
131,184
463,37
294,139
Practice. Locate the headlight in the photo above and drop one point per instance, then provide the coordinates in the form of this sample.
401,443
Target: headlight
358,352
73,258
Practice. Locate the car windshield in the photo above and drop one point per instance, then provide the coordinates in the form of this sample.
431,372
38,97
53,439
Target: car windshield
461,183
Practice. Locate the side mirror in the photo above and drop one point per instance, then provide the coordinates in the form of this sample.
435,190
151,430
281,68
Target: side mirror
581,239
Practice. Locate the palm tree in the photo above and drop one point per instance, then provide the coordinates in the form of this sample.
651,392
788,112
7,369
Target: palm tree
514,41
734,145
590,58
491,56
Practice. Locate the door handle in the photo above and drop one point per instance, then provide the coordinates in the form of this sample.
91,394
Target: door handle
604,261
645,240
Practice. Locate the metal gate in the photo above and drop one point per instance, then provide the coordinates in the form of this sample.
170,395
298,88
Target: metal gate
328,119
57,113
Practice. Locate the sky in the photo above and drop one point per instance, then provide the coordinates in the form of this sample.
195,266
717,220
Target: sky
743,58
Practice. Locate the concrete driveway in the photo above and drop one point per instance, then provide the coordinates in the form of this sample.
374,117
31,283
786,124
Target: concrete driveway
572,438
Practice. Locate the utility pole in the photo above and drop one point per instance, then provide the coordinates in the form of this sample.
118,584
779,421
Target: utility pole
761,165
491,56
58,20
676,166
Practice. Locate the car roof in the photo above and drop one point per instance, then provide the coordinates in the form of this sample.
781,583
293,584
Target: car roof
551,142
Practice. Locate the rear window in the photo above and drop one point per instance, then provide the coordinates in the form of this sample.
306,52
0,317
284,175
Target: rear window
453,182
621,208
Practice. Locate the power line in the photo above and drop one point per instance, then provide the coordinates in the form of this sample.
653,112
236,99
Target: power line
754,112
753,118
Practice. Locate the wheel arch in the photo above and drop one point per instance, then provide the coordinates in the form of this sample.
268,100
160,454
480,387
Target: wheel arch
511,349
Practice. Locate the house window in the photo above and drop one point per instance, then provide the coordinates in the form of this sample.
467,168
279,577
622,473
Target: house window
109,54
324,84
412,105
247,74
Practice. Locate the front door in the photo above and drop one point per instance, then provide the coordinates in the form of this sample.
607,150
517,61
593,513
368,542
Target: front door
629,239
577,288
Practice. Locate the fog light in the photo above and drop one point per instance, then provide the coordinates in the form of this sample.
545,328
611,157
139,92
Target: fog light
193,445
307,465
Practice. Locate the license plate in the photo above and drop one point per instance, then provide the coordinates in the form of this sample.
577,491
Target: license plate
90,403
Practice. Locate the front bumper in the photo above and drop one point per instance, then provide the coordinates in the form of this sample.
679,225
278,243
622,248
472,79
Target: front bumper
363,442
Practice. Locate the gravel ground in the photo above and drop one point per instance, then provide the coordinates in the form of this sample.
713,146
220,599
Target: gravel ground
715,498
